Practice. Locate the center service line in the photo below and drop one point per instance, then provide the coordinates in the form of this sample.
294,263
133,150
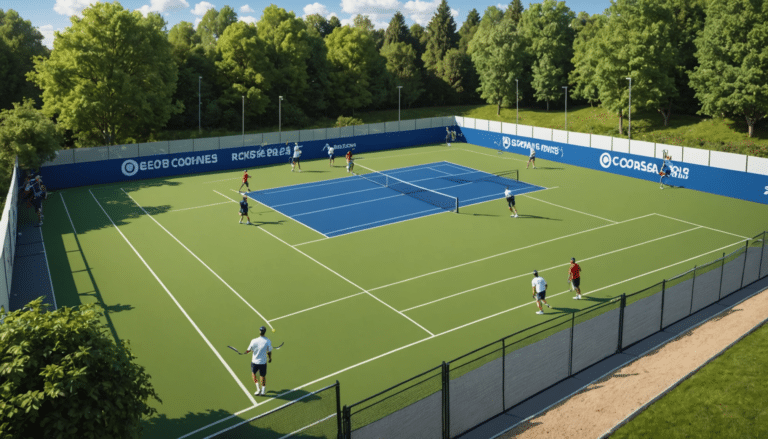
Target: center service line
231,372
200,260
344,278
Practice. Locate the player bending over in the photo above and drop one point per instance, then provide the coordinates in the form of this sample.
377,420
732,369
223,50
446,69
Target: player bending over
511,202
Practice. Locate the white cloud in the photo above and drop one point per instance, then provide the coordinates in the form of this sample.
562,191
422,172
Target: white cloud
249,19
47,31
316,8
369,7
163,6
245,9
72,7
421,12
201,8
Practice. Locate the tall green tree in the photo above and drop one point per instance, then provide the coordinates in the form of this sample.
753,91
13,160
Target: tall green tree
364,22
243,56
20,43
403,68
498,52
357,69
64,375
319,23
110,77
213,25
689,17
468,29
732,76
317,96
441,36
397,31
514,12
582,78
193,63
546,26
636,42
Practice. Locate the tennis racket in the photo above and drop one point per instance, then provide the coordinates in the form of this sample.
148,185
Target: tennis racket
238,352
281,345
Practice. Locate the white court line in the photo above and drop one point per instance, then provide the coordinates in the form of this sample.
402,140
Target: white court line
232,373
199,207
550,268
492,155
507,252
573,210
388,221
710,228
352,204
345,279
198,259
318,306
47,265
216,181
440,334
326,197
272,208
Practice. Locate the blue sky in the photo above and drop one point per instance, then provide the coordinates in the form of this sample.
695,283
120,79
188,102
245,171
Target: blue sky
53,15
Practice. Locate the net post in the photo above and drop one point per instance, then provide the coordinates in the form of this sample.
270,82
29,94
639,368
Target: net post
663,289
457,204
570,348
339,428
722,271
622,305
743,269
446,406
346,423
693,285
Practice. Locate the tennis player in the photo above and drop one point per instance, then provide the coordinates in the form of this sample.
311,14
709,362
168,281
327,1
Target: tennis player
262,354
245,181
447,136
532,158
244,210
330,155
539,291
296,155
665,171
574,277
510,202
350,163
37,202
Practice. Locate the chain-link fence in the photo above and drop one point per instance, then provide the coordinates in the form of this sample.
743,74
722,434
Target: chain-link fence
453,398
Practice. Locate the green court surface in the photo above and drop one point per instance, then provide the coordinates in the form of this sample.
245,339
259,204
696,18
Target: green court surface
180,278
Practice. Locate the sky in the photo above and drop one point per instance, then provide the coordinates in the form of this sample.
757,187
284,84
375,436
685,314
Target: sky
54,15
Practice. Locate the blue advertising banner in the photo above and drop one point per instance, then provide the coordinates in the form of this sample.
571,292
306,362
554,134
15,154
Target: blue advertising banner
742,185
58,177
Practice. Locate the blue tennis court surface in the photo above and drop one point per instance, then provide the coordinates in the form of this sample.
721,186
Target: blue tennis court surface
354,203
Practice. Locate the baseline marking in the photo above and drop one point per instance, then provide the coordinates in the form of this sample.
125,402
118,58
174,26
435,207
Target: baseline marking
710,228
231,372
272,208
198,207
345,279
198,259
573,210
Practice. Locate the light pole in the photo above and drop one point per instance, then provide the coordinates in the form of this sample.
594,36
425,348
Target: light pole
399,87
517,110
199,105
566,107
280,118
243,120
629,130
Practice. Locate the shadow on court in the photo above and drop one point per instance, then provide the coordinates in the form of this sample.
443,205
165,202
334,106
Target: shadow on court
262,223
523,216
549,168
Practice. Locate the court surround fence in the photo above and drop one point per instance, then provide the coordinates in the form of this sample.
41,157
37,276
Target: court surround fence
453,398
8,224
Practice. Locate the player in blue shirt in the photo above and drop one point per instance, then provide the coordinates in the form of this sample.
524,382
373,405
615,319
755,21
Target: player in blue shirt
244,210
665,171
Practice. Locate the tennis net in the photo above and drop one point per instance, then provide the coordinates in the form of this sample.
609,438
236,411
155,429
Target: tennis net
506,178
429,196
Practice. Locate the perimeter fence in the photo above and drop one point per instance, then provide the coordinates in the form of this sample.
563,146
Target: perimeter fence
458,395
8,231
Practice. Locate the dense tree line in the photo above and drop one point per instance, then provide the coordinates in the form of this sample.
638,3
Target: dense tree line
116,76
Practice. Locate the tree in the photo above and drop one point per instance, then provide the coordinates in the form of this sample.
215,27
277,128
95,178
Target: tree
364,22
546,27
319,24
441,36
397,31
183,39
732,77
585,57
65,376
636,42
110,77
498,52
402,65
20,43
333,22
468,29
514,12
357,68
317,96
689,17
243,63
213,25
456,69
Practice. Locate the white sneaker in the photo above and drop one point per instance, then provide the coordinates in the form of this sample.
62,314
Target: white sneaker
578,297
249,223
539,312
263,391
511,216
239,222
515,215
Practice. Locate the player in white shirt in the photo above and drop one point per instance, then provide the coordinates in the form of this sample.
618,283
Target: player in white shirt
296,155
262,354
510,201
532,158
330,155
539,291
666,170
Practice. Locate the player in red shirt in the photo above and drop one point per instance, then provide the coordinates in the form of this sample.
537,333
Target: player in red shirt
245,181
350,163
574,277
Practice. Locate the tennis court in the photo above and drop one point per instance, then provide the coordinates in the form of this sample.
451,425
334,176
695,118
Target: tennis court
414,285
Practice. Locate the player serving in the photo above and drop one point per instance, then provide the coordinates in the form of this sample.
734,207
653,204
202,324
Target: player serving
296,155
666,169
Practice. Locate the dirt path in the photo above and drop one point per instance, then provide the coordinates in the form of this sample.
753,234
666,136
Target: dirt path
602,405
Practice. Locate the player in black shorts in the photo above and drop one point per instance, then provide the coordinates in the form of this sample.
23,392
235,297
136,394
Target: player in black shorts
244,210
511,202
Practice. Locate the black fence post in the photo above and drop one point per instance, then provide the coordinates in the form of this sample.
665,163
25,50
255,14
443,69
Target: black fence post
722,271
346,423
339,416
446,402
663,289
503,374
622,305
746,247
762,251
570,354
693,288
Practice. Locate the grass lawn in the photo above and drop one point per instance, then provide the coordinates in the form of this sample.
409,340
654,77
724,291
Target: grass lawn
686,130
725,399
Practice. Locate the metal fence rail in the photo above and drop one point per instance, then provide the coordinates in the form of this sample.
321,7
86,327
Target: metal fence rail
8,224
458,395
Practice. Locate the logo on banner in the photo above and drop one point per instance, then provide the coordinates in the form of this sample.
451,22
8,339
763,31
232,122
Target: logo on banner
341,146
606,161
130,168
507,142
766,191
